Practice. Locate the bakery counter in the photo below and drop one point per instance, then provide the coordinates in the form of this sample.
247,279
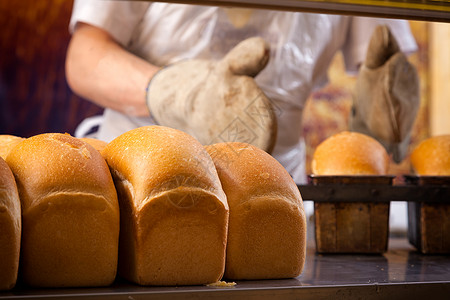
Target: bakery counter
399,273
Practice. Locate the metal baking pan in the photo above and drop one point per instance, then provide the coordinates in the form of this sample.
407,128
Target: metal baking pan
376,189
422,180
351,179
355,225
428,221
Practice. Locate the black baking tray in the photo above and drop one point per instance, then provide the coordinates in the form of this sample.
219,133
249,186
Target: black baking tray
356,225
426,219
424,180
362,188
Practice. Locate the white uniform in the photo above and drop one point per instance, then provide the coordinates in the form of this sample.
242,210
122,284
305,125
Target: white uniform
302,47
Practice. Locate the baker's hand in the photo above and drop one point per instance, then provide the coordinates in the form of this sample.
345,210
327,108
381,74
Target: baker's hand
386,97
217,101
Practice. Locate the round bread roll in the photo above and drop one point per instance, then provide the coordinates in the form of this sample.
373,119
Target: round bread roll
350,153
174,213
70,212
432,156
7,142
99,145
10,228
267,227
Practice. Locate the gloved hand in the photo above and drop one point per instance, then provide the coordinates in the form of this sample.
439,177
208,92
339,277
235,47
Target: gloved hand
386,97
217,101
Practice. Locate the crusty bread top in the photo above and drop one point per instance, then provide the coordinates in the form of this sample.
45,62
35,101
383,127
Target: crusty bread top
156,159
432,156
247,170
9,197
54,163
99,145
7,142
350,153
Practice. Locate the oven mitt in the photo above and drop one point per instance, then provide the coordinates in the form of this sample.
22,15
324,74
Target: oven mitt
217,101
386,97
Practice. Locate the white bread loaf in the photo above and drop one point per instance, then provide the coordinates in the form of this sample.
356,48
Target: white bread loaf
432,156
350,153
10,228
7,142
70,212
267,227
174,214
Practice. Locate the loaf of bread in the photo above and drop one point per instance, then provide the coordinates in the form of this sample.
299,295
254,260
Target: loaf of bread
351,227
99,145
7,142
432,156
70,212
267,227
10,228
350,153
174,213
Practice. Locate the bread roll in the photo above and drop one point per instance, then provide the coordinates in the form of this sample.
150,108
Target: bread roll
267,227
10,228
70,212
432,156
99,145
7,142
350,153
174,214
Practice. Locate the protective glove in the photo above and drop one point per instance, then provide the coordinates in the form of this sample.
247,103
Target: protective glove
386,97
217,101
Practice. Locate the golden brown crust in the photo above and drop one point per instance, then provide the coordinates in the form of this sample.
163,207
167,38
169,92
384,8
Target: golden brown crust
7,142
350,153
99,145
70,212
10,228
267,227
174,214
432,156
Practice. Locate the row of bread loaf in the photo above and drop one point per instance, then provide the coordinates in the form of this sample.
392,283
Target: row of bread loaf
352,153
362,226
153,206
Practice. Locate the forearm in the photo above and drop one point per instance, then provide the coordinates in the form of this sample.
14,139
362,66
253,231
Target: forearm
99,69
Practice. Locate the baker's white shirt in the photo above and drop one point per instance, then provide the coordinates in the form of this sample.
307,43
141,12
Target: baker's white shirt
302,47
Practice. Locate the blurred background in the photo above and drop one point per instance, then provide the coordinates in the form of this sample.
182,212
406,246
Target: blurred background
35,97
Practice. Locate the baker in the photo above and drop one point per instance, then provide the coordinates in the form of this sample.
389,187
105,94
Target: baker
234,74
